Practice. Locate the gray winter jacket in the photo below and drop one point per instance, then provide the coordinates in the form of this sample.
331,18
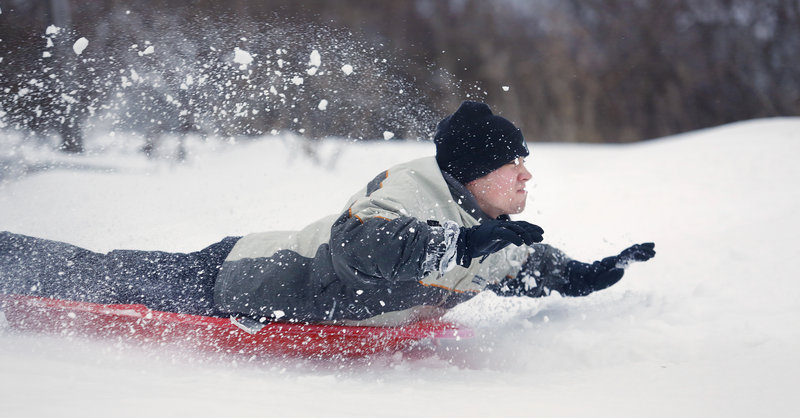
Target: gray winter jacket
387,258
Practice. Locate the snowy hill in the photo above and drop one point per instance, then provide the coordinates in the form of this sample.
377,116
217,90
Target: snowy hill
710,327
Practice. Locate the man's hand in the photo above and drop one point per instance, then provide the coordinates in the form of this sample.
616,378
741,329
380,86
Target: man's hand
588,278
492,236
637,252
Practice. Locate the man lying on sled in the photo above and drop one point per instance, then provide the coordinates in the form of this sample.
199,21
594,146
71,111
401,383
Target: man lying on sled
420,238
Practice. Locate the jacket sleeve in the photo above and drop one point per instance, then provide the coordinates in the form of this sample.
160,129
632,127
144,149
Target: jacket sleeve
546,269
378,248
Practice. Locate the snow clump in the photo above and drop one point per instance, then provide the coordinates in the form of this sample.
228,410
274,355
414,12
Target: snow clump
241,57
147,51
79,45
314,61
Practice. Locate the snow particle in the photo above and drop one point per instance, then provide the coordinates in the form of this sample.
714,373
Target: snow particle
347,69
52,30
241,57
315,60
147,51
506,88
68,99
323,104
278,314
80,45
297,80
388,135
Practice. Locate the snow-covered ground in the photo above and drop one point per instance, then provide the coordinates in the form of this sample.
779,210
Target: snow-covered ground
710,327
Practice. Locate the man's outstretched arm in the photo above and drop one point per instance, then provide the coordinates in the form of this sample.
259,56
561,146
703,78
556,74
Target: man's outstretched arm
548,269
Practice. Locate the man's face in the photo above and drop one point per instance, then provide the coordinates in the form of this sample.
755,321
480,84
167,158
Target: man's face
502,192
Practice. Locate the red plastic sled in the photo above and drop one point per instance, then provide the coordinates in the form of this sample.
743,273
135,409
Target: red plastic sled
137,322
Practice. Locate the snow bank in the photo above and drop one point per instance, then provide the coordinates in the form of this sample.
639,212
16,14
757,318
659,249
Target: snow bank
710,327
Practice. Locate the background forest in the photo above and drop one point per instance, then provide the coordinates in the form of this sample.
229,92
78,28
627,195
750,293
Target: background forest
563,70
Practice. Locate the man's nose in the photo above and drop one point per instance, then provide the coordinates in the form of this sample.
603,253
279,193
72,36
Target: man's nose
524,174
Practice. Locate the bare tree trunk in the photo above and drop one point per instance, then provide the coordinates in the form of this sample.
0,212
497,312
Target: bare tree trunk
70,127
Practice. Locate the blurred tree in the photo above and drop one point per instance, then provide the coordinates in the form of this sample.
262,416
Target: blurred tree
66,63
564,70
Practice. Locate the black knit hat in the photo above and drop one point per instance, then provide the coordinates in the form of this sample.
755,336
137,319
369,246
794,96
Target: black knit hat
473,142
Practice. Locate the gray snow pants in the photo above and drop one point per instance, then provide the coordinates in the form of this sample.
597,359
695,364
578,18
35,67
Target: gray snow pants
173,282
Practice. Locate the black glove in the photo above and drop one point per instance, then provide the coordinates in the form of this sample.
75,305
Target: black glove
492,236
637,252
587,278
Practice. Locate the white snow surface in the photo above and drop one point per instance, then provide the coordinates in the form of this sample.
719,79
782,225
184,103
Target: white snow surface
709,327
